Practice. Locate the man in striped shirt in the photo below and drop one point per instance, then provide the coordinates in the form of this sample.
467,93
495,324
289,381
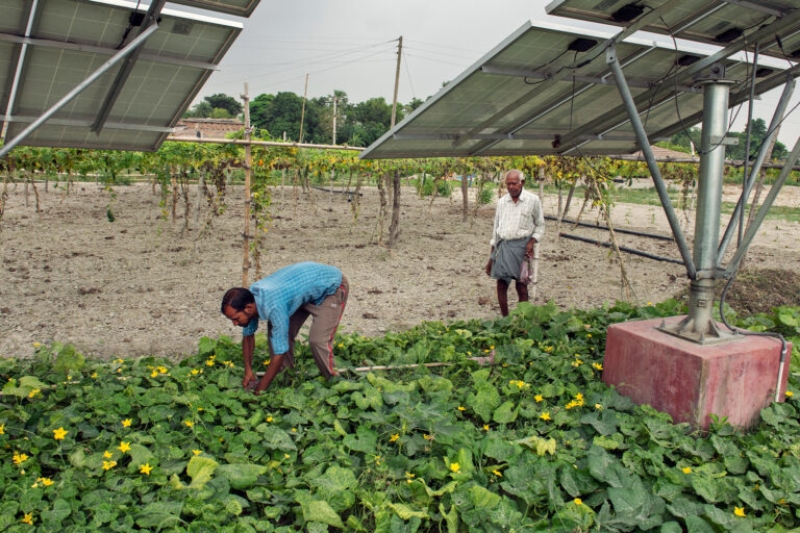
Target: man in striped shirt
518,226
285,299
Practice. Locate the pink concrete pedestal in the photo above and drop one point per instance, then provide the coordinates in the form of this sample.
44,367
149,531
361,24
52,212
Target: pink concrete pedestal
733,379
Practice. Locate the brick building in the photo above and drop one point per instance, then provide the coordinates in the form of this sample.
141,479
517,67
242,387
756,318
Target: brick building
205,128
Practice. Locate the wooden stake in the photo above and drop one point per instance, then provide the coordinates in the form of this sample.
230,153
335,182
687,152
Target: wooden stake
248,166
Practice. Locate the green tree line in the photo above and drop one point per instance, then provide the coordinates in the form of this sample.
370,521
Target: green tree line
312,120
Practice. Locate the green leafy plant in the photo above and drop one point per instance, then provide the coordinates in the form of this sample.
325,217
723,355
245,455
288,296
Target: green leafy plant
536,442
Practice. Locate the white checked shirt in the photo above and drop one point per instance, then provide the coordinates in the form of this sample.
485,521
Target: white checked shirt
518,220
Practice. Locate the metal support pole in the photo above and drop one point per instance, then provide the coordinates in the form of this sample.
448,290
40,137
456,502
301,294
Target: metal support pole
699,325
762,211
33,126
747,185
644,144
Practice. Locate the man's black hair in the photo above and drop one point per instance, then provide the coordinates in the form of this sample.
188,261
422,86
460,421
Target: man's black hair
237,298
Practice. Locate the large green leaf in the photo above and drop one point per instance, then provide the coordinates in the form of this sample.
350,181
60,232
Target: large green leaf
506,413
484,400
318,511
241,476
201,470
483,498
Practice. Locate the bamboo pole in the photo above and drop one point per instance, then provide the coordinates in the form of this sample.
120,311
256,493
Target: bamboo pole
248,166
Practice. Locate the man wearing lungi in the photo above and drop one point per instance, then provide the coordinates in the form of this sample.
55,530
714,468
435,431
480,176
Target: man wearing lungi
518,225
285,299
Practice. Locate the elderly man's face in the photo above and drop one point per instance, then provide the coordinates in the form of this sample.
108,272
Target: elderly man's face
514,186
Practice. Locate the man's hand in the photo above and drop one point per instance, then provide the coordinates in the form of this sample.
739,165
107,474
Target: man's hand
249,378
489,268
529,248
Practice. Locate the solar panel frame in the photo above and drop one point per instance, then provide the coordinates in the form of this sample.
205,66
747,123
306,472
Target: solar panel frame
571,104
70,39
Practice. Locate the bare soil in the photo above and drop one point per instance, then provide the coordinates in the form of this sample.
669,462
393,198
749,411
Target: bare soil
148,284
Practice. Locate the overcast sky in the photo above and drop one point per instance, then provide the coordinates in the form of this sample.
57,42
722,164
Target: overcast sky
351,45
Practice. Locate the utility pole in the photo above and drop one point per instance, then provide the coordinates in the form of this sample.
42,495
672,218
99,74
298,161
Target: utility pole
303,112
396,80
334,120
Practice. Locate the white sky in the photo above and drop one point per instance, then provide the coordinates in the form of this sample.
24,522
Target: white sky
351,45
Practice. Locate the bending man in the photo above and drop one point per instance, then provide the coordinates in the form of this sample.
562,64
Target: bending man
518,226
285,299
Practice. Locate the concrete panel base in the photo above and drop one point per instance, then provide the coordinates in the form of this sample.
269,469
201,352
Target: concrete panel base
734,379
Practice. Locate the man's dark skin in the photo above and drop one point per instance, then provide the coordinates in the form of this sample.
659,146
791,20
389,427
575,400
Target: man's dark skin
241,319
514,186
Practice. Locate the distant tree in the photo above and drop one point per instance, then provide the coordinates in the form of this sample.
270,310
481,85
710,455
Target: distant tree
758,135
412,105
685,138
200,110
277,114
219,112
223,101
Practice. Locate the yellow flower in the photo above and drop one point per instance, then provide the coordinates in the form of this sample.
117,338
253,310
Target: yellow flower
739,511
598,406
341,345
427,437
127,423
649,304
269,419
578,501
545,416
28,519
266,363
497,473
486,427
146,469
577,362
19,458
518,382
124,446
37,344
460,408
108,465
597,366
210,362
119,361
94,375
394,437
571,404
588,335
196,371
789,394
60,433
455,467
294,430
2,429
538,398
46,481
188,423
287,456
33,393
107,454
686,470
154,373
197,452
162,370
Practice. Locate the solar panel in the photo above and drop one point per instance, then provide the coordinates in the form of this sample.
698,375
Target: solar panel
547,89
715,22
50,47
242,8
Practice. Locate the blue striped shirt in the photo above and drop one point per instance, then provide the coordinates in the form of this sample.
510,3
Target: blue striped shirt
282,293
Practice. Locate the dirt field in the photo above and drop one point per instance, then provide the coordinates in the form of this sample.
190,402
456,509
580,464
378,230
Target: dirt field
143,285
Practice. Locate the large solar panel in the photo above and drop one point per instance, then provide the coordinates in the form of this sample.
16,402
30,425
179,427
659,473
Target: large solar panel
49,47
716,22
547,89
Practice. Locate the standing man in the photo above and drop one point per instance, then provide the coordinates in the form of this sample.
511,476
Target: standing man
285,299
518,226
